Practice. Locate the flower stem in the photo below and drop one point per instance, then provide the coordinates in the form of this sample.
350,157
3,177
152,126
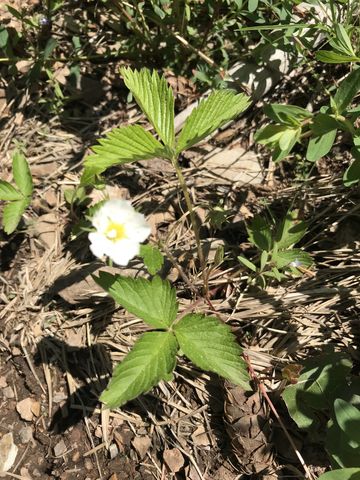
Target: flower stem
194,222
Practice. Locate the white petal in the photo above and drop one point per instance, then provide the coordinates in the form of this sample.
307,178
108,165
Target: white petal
123,251
97,244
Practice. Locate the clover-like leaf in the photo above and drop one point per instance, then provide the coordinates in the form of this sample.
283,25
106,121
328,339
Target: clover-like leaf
121,145
211,345
154,301
152,359
290,231
211,113
155,98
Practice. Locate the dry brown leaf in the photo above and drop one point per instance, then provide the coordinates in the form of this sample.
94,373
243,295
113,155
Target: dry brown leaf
45,228
201,437
23,66
233,165
174,459
60,448
25,409
8,452
141,445
109,192
43,169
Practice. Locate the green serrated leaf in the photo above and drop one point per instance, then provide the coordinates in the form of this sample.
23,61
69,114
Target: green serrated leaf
155,98
22,174
320,382
210,344
290,231
247,263
328,56
152,257
341,474
121,145
347,91
12,214
211,113
154,301
152,359
8,192
260,233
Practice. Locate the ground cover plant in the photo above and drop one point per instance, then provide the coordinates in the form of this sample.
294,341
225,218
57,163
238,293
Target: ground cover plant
179,246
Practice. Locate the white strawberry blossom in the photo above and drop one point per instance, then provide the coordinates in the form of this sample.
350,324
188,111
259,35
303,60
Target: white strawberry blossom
119,230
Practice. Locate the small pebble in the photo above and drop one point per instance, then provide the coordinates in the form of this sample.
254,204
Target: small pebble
60,448
25,434
8,392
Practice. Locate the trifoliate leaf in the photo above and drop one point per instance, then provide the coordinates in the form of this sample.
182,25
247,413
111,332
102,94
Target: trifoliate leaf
155,98
154,301
210,344
8,192
152,257
121,145
12,214
152,359
22,174
212,112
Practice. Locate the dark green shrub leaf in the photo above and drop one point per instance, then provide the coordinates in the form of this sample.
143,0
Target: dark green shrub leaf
152,359
321,381
341,474
352,174
210,344
154,301
347,91
260,233
286,114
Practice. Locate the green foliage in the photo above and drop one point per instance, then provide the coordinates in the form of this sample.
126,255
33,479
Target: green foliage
153,358
18,197
322,380
211,113
155,98
276,247
209,344
154,301
342,474
152,258
294,125
121,145
205,340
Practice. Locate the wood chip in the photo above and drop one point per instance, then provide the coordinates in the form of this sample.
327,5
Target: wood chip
25,409
8,452
174,459
141,445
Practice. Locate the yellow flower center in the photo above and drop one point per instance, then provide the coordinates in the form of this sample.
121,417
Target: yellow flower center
115,231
